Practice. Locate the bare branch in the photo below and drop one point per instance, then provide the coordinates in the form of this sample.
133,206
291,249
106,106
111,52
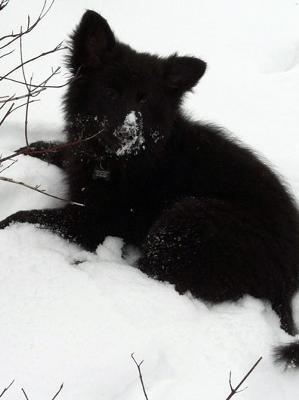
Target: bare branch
14,98
6,101
59,47
42,191
236,389
11,383
6,54
8,112
11,102
138,365
12,109
14,36
37,89
41,86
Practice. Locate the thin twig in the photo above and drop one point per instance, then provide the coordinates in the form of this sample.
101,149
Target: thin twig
10,165
8,112
25,394
11,110
236,389
22,60
3,4
57,393
138,365
36,189
6,54
5,102
6,389
28,90
53,398
26,115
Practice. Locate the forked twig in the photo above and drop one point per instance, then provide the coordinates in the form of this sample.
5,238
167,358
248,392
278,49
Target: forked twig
30,26
235,390
138,365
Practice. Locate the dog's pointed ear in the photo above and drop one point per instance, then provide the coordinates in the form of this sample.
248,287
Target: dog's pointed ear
92,40
183,73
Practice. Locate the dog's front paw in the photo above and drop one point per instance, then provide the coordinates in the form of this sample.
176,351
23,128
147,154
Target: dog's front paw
20,216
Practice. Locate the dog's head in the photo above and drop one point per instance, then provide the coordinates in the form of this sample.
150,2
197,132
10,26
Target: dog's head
128,100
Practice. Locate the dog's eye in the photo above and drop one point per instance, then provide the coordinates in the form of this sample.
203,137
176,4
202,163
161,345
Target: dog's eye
112,93
142,98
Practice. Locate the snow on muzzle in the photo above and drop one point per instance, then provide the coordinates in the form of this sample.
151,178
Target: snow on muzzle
129,135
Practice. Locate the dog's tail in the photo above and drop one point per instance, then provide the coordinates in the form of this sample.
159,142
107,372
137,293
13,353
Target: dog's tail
288,354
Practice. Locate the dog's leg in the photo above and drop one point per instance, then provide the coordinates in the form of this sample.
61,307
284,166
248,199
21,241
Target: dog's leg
71,222
218,253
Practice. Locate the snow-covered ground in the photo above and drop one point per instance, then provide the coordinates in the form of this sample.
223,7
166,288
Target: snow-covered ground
70,316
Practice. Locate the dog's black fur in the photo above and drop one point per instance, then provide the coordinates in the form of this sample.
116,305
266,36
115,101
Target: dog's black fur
210,216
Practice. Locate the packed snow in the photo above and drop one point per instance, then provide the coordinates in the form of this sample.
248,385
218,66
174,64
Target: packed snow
71,316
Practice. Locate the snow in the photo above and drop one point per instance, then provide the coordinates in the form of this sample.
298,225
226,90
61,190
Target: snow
71,316
130,134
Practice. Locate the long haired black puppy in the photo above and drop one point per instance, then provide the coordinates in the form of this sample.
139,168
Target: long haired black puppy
209,216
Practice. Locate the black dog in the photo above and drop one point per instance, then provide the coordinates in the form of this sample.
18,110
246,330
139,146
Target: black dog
210,217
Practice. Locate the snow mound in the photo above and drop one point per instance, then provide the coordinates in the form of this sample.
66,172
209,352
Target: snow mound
71,316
